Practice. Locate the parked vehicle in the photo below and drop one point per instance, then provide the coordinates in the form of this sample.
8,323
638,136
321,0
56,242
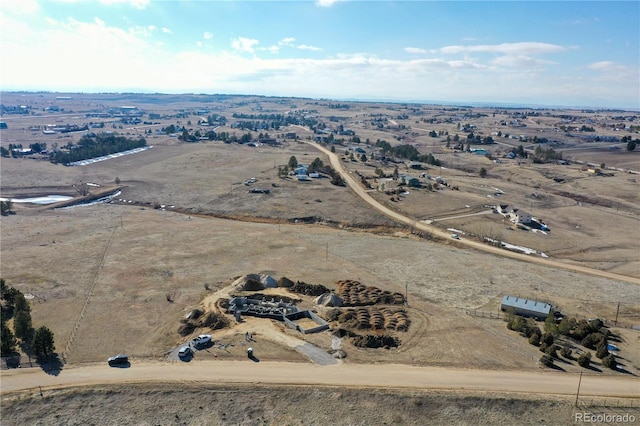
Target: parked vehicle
201,340
119,359
184,351
455,236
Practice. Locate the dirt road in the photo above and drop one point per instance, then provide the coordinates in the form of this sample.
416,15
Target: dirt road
356,375
416,224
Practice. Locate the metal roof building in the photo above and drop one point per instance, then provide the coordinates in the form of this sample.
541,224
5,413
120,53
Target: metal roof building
525,307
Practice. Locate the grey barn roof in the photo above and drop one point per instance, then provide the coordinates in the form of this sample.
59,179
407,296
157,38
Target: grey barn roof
525,304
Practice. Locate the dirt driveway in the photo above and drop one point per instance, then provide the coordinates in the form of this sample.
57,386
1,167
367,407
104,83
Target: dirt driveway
367,376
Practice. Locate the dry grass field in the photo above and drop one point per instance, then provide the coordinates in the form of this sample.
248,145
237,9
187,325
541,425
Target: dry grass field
249,405
118,277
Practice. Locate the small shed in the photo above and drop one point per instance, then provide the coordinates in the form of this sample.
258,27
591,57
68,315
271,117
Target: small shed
525,307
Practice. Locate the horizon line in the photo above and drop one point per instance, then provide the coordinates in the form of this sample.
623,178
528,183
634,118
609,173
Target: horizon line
473,104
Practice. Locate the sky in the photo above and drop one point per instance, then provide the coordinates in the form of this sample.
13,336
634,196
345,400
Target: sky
547,53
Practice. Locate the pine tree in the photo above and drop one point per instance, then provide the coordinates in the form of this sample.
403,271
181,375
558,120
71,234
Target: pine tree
43,342
7,340
22,326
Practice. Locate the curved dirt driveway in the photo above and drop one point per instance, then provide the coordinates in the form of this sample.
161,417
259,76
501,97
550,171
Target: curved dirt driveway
356,375
362,193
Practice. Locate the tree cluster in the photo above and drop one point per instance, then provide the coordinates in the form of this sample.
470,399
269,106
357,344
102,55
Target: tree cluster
272,121
590,334
631,143
542,155
96,145
14,305
408,152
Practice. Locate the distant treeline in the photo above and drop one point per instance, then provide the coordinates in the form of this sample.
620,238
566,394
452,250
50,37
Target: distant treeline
408,152
95,145
256,122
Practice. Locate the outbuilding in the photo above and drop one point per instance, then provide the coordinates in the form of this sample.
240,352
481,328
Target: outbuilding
525,307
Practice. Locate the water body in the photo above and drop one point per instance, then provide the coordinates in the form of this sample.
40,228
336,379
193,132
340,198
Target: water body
47,199
105,199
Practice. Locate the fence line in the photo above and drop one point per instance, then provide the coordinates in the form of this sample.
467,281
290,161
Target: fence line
609,403
88,297
478,313
484,314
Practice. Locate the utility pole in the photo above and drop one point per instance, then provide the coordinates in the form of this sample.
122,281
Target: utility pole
617,312
578,392
406,293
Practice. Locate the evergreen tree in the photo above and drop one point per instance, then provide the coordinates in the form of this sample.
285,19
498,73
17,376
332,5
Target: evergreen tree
293,162
43,342
21,303
7,340
22,326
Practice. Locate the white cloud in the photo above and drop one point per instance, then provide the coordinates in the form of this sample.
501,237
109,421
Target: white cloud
415,50
521,61
287,41
207,35
603,66
138,4
244,44
327,3
522,48
19,7
69,49
166,30
307,47
617,73
152,28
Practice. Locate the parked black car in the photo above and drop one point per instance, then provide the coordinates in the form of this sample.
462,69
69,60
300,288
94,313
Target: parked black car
119,359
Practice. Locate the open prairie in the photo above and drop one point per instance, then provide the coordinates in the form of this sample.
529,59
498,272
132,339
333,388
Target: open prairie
119,276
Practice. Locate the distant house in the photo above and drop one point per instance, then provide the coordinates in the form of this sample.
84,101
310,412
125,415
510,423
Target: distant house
410,181
3,125
525,307
520,217
268,141
514,214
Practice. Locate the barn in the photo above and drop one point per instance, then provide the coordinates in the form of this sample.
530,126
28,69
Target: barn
525,307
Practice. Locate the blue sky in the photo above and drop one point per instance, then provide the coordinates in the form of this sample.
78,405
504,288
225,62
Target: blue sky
547,53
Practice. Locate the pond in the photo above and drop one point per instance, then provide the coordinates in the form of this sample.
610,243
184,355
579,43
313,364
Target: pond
47,199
